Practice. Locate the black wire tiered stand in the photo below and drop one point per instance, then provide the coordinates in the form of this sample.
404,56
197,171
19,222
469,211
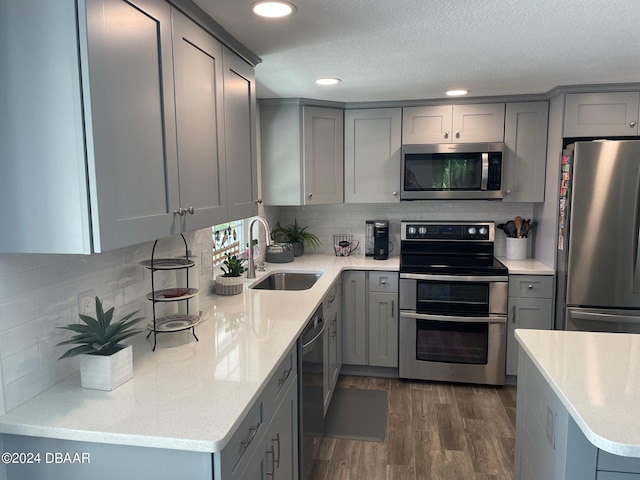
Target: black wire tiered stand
179,321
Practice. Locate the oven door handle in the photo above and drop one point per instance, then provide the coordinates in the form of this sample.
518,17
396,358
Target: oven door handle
455,278
453,318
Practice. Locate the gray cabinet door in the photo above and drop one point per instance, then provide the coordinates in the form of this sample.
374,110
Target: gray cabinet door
478,123
354,321
323,152
525,313
526,151
426,124
383,329
601,114
199,114
130,121
372,144
240,137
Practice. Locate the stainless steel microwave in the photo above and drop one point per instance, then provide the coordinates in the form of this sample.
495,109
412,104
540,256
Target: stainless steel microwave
465,171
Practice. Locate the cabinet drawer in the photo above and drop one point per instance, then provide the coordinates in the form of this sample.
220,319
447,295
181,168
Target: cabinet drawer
616,463
383,281
533,286
282,377
245,440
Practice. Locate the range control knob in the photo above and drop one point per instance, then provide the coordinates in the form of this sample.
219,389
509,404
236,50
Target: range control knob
472,230
411,230
423,230
483,231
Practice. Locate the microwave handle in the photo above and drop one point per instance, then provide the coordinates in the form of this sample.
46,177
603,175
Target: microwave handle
485,171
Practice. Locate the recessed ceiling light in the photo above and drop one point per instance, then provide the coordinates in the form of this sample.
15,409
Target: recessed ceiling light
327,81
457,93
273,9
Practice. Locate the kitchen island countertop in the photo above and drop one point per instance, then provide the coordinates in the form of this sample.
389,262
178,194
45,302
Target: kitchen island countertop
190,395
595,376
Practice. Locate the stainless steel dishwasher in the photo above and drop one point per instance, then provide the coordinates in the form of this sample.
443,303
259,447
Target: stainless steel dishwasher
311,354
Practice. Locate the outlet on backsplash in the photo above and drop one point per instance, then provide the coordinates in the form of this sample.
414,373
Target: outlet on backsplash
86,302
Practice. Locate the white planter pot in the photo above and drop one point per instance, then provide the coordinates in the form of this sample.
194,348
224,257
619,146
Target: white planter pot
228,285
106,372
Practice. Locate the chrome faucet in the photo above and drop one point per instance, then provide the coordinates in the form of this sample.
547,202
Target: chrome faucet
252,269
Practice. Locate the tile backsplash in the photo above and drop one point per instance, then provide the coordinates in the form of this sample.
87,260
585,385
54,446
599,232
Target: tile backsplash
325,220
40,292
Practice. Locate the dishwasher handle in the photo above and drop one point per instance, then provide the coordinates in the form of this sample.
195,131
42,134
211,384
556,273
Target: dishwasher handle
319,323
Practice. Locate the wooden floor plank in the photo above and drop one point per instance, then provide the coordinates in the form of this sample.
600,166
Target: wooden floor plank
435,431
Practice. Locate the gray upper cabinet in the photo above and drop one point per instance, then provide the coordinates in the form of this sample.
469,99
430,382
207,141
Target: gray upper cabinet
302,154
453,124
372,144
199,119
601,114
240,136
118,136
526,151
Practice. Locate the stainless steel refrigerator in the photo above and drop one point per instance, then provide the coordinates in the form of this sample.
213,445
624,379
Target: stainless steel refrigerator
598,244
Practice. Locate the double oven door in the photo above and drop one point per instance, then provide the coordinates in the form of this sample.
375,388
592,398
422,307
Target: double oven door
453,327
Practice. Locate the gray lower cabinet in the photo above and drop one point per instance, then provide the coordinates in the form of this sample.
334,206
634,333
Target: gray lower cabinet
354,318
372,145
601,114
370,318
549,443
332,342
302,153
119,128
530,306
525,139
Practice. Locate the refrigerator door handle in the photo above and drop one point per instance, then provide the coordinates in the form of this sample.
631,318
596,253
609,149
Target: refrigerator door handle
603,317
635,281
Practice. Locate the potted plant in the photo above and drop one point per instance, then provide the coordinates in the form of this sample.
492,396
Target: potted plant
297,236
105,363
230,282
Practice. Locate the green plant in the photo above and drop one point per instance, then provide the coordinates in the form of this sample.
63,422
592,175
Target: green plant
234,266
100,335
293,233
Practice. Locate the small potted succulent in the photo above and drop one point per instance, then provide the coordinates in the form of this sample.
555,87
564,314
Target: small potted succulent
230,282
105,363
297,236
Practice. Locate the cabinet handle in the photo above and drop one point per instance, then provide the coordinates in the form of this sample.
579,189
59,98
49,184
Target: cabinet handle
276,461
310,195
446,134
530,286
179,211
513,317
395,194
383,281
457,134
273,462
190,210
252,436
284,377
507,191
632,124
393,309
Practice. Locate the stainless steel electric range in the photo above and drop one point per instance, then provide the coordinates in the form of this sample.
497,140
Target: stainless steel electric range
453,303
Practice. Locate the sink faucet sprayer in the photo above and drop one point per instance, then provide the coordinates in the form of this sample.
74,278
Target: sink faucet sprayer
252,269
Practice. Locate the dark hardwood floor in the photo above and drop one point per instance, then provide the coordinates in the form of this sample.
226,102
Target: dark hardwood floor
435,431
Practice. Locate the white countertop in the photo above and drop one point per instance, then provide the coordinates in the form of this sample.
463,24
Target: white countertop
190,395
528,266
597,378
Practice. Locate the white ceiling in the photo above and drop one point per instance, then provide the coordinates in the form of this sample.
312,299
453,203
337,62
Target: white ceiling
418,49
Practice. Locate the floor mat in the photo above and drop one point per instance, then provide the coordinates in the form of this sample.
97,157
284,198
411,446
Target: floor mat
357,415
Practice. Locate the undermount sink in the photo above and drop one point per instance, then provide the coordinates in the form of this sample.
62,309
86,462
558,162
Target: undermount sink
287,281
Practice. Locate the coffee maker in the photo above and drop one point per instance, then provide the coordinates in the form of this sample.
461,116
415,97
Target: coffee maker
381,239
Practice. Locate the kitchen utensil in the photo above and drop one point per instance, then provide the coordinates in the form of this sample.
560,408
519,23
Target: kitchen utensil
510,229
344,244
501,227
518,223
524,229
